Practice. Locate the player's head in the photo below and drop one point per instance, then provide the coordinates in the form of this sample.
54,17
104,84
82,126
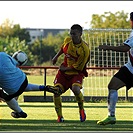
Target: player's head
131,16
131,19
77,27
75,33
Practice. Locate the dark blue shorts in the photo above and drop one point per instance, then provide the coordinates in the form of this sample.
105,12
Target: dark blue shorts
126,76
19,92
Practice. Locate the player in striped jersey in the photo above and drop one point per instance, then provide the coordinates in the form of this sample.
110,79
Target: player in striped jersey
73,70
124,77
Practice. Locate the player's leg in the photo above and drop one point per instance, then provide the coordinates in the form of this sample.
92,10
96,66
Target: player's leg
18,112
9,98
53,89
58,107
112,100
80,100
122,78
61,83
76,89
35,87
13,104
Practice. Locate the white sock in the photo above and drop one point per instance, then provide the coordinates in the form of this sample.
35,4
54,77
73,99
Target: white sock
13,104
32,87
112,100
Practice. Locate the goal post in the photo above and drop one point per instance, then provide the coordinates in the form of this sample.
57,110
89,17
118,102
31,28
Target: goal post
97,82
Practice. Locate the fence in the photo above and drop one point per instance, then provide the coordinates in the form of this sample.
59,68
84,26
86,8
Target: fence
94,87
115,37
103,64
107,61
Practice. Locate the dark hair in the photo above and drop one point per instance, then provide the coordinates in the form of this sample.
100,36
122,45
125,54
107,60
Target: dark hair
131,16
77,26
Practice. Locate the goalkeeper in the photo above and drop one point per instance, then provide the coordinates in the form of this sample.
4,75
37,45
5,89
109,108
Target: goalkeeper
124,77
13,82
72,71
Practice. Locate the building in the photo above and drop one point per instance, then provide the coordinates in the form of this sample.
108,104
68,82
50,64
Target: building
41,33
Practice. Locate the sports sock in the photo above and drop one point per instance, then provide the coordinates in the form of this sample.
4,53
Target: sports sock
112,99
34,87
13,104
80,100
58,105
41,87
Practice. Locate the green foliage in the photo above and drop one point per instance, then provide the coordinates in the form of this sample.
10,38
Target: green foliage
22,34
103,32
9,29
57,47
45,49
11,45
110,20
6,28
14,38
35,50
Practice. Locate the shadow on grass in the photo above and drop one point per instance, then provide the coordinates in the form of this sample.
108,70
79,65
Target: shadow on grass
68,125
68,106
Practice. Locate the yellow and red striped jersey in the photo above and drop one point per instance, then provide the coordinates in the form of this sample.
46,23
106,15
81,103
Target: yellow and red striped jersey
76,55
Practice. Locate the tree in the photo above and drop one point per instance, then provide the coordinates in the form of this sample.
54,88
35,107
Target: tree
22,34
11,45
9,29
110,20
6,28
44,49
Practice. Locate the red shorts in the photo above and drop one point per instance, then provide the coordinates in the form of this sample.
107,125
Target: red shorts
67,81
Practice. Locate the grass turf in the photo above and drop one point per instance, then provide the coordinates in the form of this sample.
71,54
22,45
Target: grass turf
42,117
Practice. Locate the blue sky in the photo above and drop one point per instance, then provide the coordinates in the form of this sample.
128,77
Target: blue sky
57,14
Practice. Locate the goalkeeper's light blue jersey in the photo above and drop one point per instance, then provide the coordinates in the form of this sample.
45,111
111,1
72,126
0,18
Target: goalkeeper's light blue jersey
11,77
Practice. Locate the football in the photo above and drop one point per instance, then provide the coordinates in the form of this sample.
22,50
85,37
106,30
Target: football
21,57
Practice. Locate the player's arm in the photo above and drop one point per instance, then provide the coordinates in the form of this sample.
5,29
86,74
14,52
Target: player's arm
64,68
121,48
79,64
54,60
60,52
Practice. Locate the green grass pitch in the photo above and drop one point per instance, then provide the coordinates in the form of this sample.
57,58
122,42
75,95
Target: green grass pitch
42,117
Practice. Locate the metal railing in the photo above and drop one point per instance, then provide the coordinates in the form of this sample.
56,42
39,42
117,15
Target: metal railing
55,67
